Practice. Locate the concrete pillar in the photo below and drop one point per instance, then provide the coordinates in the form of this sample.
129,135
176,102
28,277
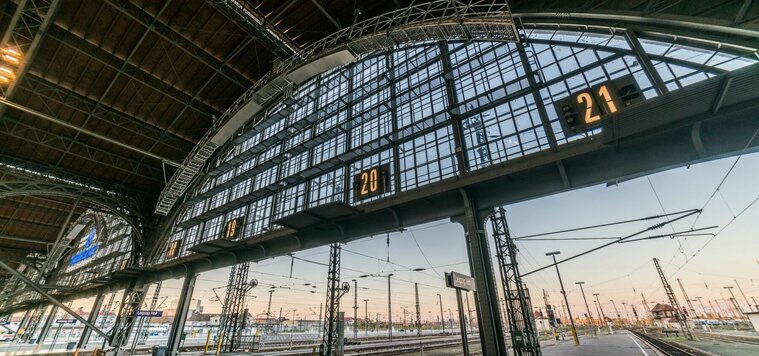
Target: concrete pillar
92,318
48,323
183,307
481,266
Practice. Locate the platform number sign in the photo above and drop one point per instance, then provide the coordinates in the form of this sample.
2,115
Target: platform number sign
173,249
372,182
233,228
583,110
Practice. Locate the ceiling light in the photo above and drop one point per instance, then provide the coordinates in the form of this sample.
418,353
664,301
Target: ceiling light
11,59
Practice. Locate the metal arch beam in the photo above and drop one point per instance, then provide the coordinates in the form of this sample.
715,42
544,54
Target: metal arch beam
86,132
187,46
256,25
119,205
639,22
440,19
24,169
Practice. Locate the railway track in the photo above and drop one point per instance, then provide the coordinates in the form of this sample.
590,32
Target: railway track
665,347
728,338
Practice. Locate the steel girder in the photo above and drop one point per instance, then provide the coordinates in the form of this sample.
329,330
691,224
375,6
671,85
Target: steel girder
162,30
121,205
113,81
22,168
58,142
248,18
208,81
123,66
45,90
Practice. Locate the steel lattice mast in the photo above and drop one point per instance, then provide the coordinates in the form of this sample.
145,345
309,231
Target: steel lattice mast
329,338
233,315
681,319
521,323
687,300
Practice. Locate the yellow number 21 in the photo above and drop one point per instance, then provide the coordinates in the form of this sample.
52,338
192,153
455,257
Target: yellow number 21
585,98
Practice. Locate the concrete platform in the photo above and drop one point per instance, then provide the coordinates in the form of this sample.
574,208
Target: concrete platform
622,343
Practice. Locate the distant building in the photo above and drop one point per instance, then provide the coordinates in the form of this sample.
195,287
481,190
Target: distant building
200,319
664,316
541,321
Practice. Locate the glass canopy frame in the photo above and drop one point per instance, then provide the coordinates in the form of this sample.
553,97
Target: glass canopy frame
430,111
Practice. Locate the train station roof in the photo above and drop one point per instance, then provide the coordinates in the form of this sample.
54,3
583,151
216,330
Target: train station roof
110,96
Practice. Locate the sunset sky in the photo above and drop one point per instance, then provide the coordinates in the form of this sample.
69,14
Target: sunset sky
620,272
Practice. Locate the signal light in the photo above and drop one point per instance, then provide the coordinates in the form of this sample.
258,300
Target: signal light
570,116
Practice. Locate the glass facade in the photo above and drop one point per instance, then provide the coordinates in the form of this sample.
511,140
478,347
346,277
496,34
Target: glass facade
408,106
102,246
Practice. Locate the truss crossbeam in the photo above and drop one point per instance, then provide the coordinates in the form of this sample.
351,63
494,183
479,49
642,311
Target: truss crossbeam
248,18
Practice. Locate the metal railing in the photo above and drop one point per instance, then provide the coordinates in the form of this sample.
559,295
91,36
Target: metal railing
435,20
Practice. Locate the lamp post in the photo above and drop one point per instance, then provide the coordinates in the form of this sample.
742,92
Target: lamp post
366,317
389,309
389,304
442,318
355,308
704,315
590,315
735,303
615,308
569,311
268,309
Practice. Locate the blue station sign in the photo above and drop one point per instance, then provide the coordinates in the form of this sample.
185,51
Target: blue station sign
148,313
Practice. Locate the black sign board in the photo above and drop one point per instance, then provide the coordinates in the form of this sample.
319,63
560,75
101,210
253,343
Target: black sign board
65,321
372,182
583,110
233,228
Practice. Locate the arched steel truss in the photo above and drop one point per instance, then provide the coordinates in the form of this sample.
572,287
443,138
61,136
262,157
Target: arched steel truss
552,61
435,20
122,206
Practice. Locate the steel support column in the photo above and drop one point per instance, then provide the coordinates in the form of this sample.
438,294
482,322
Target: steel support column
481,267
46,326
21,324
34,321
134,294
183,307
92,318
